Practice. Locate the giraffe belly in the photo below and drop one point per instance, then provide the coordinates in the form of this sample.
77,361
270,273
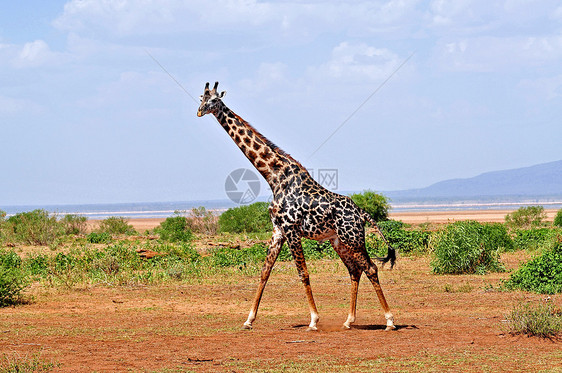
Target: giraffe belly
320,235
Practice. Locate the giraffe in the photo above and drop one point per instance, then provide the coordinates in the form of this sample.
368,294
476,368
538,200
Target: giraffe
301,207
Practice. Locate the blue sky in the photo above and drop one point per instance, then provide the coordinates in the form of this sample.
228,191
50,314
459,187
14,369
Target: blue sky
86,116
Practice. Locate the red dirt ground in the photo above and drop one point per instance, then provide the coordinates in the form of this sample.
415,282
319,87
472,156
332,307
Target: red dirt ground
445,323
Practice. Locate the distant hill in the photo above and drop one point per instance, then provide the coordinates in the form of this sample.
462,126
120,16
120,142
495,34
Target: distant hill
542,180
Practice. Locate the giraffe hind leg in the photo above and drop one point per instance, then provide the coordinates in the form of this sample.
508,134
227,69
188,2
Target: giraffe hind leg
372,273
355,277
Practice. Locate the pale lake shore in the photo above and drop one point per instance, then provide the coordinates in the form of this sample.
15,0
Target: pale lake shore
417,217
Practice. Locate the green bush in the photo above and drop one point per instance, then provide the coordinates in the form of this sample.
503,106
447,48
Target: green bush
183,251
311,249
466,247
99,237
497,237
36,227
229,257
542,274
116,225
6,229
174,229
537,319
37,264
74,224
246,218
406,241
558,219
12,279
373,203
535,238
526,217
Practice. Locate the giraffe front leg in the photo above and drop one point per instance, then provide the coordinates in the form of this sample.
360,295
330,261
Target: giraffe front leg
272,253
298,255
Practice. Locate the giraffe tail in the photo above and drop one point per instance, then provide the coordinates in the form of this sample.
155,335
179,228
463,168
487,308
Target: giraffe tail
391,255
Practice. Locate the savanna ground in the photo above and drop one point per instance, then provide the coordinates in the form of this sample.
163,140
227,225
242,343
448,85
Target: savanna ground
445,322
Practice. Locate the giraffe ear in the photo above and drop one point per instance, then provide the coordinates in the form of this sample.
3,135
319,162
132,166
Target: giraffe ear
221,95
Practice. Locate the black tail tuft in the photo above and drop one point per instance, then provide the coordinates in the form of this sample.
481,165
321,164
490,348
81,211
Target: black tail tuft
390,257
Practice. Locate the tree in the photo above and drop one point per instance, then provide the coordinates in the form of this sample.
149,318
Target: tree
374,204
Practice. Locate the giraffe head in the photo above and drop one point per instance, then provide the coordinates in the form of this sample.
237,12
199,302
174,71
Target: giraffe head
209,100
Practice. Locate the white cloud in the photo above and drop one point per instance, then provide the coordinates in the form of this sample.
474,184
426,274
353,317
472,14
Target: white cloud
499,54
32,54
127,17
357,61
292,21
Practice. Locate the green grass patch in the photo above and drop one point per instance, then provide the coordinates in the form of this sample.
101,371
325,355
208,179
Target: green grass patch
12,363
535,319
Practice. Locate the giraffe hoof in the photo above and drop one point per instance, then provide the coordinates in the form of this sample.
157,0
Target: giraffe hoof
311,329
346,327
246,327
390,327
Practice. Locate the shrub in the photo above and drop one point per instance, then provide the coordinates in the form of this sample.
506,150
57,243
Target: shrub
37,264
542,274
311,249
538,319
98,237
526,217
465,247
12,279
228,257
373,203
532,239
74,224
203,221
246,218
36,227
174,229
116,225
497,237
6,229
405,240
558,219
183,251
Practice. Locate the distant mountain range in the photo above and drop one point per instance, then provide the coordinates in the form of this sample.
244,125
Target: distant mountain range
539,181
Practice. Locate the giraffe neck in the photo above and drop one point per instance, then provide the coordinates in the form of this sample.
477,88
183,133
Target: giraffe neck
270,161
